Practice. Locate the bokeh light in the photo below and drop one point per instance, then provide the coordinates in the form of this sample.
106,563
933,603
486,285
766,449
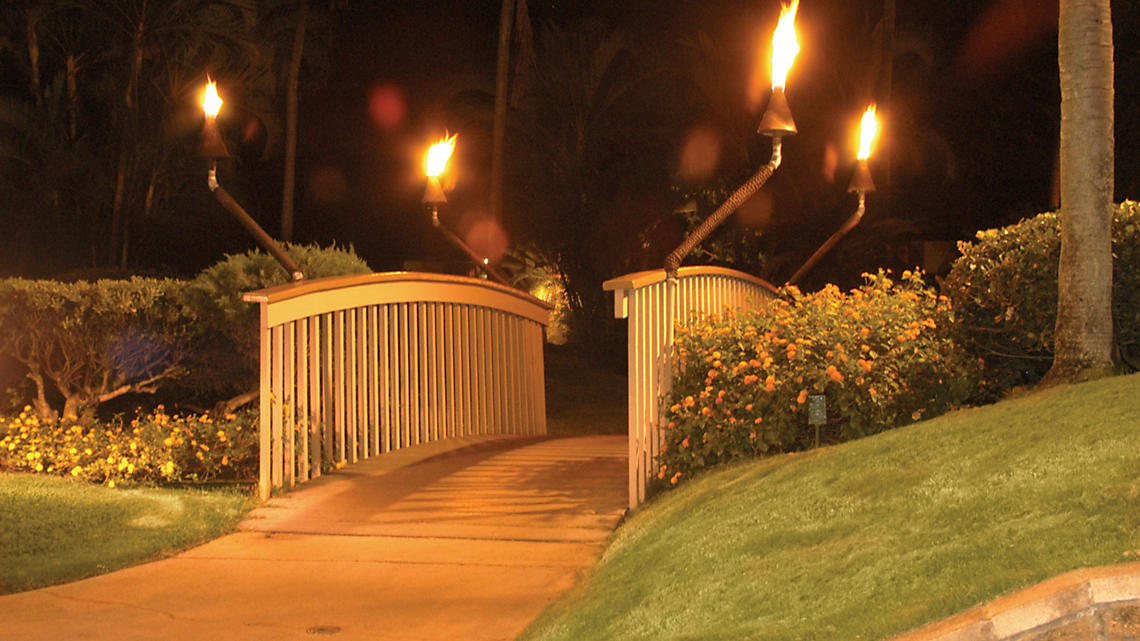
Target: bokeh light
387,106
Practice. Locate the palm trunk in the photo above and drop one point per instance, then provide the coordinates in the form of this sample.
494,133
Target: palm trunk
34,58
499,127
72,95
290,177
1083,347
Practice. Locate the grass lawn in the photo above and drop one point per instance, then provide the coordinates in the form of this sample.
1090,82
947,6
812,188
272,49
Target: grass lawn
875,537
54,530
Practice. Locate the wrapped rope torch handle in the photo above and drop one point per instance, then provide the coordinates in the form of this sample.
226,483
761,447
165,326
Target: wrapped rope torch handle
726,209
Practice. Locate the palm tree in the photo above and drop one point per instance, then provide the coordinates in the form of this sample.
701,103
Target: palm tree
1083,347
291,27
590,158
158,41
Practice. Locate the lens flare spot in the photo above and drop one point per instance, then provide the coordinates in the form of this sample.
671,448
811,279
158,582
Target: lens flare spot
488,239
387,106
328,184
756,212
830,162
700,155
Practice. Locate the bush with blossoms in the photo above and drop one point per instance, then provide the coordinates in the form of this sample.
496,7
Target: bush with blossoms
155,448
881,356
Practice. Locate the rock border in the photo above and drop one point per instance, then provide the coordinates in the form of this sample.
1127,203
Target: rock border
1038,607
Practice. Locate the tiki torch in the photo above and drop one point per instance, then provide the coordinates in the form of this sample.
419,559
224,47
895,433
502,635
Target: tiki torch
776,123
436,162
213,148
861,183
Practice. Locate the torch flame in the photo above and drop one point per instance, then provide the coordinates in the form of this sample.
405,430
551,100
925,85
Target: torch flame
867,131
784,45
438,155
212,102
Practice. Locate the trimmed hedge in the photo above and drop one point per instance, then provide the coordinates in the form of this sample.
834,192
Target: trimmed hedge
882,355
90,342
223,363
1004,290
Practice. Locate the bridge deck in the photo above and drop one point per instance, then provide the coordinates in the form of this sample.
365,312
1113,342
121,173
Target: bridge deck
453,540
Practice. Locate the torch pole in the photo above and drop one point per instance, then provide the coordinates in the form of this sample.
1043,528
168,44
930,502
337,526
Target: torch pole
458,242
247,221
726,209
830,242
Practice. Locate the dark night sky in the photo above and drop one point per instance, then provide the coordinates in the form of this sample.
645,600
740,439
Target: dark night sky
984,79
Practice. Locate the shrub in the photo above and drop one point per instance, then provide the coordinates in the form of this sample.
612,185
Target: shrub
882,355
90,342
224,361
1004,289
155,447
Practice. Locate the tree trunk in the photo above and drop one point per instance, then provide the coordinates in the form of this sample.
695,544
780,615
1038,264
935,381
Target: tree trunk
34,56
289,180
72,95
1083,347
499,127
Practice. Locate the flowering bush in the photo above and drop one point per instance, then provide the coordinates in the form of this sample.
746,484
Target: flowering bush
882,356
155,447
1004,290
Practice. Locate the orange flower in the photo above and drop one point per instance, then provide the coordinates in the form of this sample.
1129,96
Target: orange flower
834,374
770,383
676,477
802,398
685,443
865,364
750,379
705,411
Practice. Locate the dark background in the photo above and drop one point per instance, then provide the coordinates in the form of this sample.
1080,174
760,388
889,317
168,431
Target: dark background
974,129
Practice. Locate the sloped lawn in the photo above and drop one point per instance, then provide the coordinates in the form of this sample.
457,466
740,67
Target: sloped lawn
878,536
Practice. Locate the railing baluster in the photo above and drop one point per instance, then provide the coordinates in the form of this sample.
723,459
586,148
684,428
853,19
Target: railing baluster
359,365
289,403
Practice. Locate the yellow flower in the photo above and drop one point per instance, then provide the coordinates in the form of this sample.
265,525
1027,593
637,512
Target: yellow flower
76,471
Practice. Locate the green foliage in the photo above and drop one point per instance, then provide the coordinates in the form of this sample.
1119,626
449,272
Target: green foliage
224,361
882,355
151,447
90,342
1004,290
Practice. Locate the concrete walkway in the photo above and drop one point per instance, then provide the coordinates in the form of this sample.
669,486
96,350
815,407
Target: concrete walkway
465,541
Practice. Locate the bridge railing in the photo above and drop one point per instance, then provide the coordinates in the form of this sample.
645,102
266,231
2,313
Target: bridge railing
355,366
654,306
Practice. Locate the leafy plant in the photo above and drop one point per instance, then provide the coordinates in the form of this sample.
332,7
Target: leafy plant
224,360
881,355
1004,289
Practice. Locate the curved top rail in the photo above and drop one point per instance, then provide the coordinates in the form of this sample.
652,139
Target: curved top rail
637,280
300,299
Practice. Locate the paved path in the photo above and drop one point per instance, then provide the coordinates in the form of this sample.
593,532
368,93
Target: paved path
459,541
